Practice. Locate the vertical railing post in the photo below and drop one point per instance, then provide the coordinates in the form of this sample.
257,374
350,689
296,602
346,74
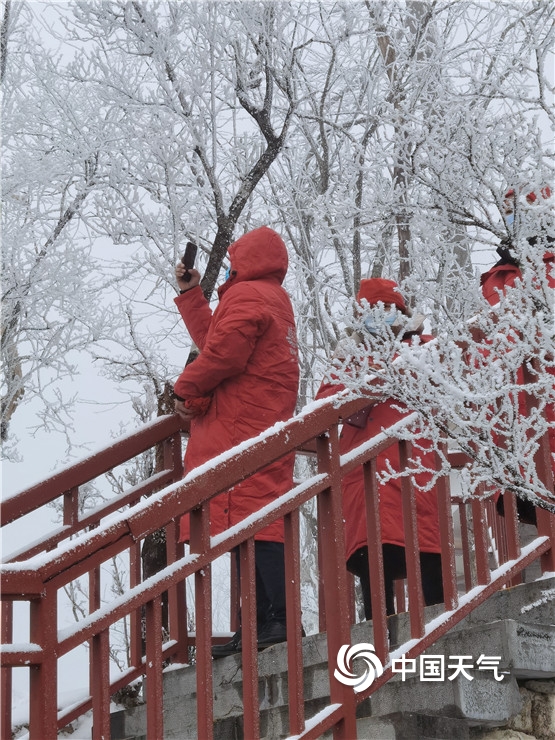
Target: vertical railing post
447,538
99,666
511,523
177,602
200,542
43,677
479,525
412,549
136,619
6,685
469,580
320,558
71,507
546,528
251,711
153,670
294,626
375,560
332,548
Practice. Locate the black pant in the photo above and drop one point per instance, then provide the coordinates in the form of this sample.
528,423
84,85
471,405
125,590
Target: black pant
269,560
395,567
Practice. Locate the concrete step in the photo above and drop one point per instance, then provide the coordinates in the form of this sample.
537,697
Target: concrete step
525,651
411,726
525,645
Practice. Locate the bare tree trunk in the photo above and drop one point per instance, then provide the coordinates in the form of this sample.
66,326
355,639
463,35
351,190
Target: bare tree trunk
4,33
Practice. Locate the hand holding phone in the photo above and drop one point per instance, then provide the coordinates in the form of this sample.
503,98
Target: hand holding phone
188,260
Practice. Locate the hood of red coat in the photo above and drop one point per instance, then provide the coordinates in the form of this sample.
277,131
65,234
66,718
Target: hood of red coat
258,254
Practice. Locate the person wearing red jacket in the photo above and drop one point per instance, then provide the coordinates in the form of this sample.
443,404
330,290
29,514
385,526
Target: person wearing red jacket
357,430
506,270
244,380
507,274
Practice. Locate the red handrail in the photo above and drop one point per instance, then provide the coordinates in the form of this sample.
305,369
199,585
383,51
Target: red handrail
36,575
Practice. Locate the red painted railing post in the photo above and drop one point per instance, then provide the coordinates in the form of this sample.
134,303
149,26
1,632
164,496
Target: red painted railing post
412,550
200,542
465,546
251,716
375,560
177,601
294,626
479,526
546,528
511,522
99,666
6,617
136,625
332,547
43,676
71,506
447,538
154,684
321,604
177,604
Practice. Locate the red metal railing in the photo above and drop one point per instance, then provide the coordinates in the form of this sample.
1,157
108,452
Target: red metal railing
82,545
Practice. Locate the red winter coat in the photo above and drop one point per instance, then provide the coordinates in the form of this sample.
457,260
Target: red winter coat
383,415
248,364
503,276
494,283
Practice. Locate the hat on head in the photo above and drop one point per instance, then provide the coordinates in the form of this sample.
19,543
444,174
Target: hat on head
380,289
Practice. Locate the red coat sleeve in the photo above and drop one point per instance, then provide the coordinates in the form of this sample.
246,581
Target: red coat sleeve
196,313
240,319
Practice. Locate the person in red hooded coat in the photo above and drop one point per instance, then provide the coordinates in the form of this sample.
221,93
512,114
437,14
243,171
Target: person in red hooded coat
364,426
506,271
244,380
507,274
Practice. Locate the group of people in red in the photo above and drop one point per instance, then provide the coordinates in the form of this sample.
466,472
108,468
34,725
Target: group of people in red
245,379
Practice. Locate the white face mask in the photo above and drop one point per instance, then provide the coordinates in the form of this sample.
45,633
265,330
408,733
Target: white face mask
375,325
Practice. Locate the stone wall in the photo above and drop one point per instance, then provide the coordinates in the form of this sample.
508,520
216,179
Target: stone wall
536,720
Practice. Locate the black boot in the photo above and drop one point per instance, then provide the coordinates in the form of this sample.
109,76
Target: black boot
229,648
272,633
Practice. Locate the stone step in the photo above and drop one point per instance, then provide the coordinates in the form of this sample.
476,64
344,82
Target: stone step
411,726
527,650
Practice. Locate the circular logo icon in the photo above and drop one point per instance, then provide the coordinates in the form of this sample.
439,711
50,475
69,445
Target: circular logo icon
345,656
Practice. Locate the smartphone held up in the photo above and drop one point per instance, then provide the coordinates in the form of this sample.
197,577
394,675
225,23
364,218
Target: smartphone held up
188,259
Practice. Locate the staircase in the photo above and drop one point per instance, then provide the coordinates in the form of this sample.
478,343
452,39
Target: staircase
289,690
516,624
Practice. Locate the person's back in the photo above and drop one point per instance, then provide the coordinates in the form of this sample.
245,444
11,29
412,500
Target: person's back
356,431
244,380
248,363
507,274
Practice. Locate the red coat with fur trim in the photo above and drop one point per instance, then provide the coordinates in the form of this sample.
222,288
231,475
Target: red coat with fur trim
381,416
248,366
